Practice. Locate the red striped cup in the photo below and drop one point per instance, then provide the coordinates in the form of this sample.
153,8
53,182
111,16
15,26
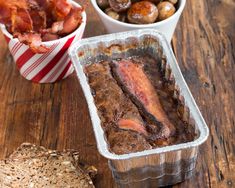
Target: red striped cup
49,67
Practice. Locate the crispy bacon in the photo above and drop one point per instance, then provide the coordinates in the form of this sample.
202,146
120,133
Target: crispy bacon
14,3
5,16
22,21
34,21
15,16
38,15
39,20
72,21
57,27
47,6
8,12
34,41
49,37
61,8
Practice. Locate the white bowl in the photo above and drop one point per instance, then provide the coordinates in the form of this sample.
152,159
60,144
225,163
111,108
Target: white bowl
167,27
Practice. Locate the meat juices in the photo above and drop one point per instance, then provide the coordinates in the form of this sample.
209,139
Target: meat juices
132,103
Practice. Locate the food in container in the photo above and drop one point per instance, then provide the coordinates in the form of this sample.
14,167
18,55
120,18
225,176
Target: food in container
139,12
135,104
39,33
125,15
35,21
162,160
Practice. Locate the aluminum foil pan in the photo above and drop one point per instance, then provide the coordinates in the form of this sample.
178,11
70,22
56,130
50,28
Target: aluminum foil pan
157,167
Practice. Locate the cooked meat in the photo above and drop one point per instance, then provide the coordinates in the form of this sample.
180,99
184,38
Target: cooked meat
132,97
109,97
49,37
136,83
72,21
38,16
123,141
34,40
114,107
132,124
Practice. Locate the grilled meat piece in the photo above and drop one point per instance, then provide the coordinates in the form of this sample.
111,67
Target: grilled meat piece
116,110
135,82
124,141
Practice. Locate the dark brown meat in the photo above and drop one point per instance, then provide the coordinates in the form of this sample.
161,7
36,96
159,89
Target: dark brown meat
109,98
128,128
116,111
123,141
136,83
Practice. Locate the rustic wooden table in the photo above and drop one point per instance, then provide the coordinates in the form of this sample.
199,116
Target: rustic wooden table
56,115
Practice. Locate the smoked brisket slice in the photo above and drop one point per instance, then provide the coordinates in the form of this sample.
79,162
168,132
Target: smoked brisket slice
116,111
134,81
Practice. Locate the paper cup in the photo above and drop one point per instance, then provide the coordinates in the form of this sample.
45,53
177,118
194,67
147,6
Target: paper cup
166,27
49,67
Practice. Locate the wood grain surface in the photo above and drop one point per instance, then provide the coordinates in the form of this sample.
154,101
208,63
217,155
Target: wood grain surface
56,115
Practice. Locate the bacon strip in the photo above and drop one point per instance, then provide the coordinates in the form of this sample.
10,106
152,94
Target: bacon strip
8,13
34,41
38,15
5,16
22,21
61,8
47,6
70,23
31,20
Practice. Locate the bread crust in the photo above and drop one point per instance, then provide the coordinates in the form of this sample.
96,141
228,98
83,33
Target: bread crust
35,166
